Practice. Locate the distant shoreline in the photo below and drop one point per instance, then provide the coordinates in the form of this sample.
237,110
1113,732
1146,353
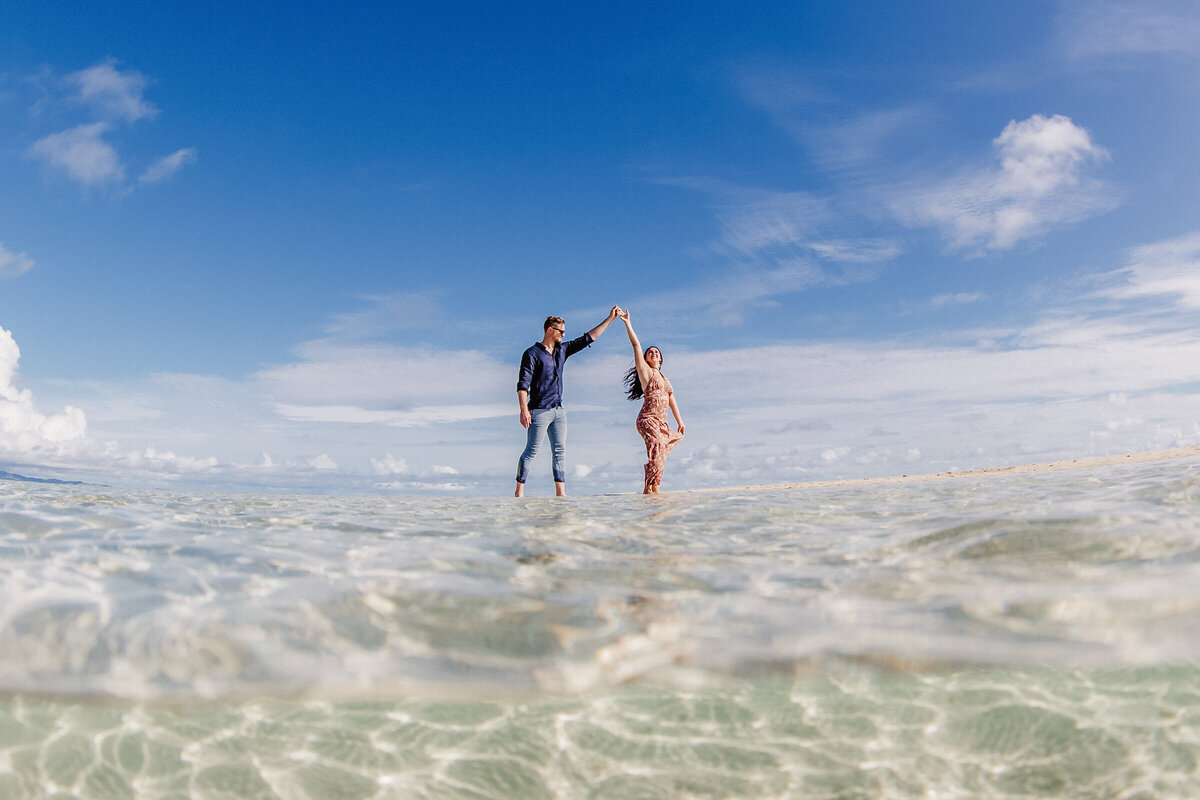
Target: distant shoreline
1021,469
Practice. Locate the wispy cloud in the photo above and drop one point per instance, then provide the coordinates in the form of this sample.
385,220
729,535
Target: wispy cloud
82,154
1166,271
167,166
836,136
1096,29
386,314
114,99
860,139
413,418
1038,184
860,251
957,299
13,264
770,244
755,221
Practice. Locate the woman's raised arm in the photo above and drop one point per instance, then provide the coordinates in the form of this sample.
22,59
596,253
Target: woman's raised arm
639,359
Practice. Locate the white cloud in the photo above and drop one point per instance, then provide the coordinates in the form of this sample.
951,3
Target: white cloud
82,154
25,431
771,246
753,220
168,166
112,93
1097,29
725,299
832,454
1167,270
863,251
837,138
859,140
323,463
114,98
957,299
389,465
13,264
384,382
386,314
416,417
1038,185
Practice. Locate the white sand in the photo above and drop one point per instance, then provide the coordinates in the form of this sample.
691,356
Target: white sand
1022,469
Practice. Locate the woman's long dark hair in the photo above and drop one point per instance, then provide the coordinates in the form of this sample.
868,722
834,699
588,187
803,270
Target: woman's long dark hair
633,384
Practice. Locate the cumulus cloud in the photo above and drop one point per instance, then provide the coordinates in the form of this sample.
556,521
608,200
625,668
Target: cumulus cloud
25,431
1038,184
13,264
389,465
323,463
82,154
112,93
166,167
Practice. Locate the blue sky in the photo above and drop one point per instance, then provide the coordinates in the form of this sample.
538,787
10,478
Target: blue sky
302,247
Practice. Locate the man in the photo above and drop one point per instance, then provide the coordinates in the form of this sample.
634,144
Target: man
539,393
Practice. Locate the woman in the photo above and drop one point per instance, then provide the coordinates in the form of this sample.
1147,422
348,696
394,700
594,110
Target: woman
645,379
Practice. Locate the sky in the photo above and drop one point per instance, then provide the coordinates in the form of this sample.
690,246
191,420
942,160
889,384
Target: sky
300,247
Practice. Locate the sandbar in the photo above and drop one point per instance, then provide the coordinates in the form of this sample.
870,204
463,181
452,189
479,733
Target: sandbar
1020,469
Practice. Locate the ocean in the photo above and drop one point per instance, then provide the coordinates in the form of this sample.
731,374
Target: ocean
1021,636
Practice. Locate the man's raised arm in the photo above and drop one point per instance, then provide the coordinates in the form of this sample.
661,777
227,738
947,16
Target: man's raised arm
599,329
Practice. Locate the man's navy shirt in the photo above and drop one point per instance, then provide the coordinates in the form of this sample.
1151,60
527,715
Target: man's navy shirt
541,372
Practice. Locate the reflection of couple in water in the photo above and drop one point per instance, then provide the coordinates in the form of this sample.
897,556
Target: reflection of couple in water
540,390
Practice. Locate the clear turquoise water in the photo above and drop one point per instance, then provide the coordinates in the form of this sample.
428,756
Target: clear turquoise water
1008,637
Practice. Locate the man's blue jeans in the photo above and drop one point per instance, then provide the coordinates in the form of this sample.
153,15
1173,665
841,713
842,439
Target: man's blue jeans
554,422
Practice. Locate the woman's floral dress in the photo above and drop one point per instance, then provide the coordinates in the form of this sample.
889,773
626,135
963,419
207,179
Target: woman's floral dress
652,425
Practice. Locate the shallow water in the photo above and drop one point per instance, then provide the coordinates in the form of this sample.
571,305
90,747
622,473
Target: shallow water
1016,636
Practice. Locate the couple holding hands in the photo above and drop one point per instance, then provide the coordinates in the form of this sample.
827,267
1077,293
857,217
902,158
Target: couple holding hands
540,390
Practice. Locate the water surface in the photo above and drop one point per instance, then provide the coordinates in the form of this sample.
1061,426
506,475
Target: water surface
1006,637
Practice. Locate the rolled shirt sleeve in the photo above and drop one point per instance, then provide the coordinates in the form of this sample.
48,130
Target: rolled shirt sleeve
525,376
541,372
575,345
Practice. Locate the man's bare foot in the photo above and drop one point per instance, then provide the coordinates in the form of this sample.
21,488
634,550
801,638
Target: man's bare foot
560,489
520,490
